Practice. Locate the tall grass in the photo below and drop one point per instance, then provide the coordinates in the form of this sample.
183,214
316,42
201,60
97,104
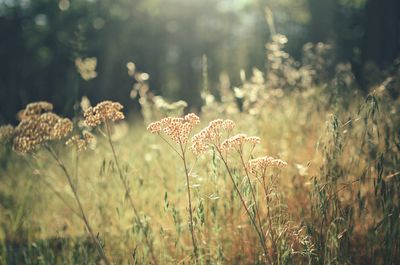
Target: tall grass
208,196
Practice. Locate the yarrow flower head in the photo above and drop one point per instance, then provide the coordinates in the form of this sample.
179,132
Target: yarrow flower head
79,142
35,108
106,110
253,140
237,141
192,118
211,135
61,129
155,127
36,128
177,129
228,125
260,164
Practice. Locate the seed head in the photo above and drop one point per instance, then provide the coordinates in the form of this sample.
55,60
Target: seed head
176,128
88,136
75,140
192,118
35,108
35,130
228,125
198,144
253,140
210,135
260,164
79,142
234,142
61,128
106,110
155,127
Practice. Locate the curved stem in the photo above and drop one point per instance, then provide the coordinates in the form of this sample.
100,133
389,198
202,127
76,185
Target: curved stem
61,198
170,145
271,232
82,212
254,196
51,187
191,227
128,194
244,205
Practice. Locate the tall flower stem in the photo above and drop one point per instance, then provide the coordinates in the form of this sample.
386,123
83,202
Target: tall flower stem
261,238
271,231
82,212
254,196
128,194
191,227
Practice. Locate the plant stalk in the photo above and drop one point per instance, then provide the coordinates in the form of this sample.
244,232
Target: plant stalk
127,192
191,227
82,212
254,197
267,257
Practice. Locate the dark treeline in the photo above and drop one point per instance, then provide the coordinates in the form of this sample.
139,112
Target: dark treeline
40,40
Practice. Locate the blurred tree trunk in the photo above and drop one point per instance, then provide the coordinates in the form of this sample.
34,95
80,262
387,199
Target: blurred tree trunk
322,14
382,32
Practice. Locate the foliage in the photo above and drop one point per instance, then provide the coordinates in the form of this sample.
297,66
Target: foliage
336,201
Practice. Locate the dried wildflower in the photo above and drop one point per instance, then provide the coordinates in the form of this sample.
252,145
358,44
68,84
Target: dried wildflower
211,135
238,140
34,130
260,164
61,128
177,129
225,146
198,145
228,125
79,142
75,140
106,110
235,142
86,67
88,136
6,133
192,119
207,136
253,140
35,108
155,127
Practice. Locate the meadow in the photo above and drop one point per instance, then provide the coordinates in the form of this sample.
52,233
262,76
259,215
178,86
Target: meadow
294,166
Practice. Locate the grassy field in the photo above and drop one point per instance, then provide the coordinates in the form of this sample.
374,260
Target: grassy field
331,196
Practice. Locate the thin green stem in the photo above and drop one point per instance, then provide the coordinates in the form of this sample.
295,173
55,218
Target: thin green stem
128,194
244,205
82,212
253,195
51,187
76,167
191,227
271,231
170,145
61,197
